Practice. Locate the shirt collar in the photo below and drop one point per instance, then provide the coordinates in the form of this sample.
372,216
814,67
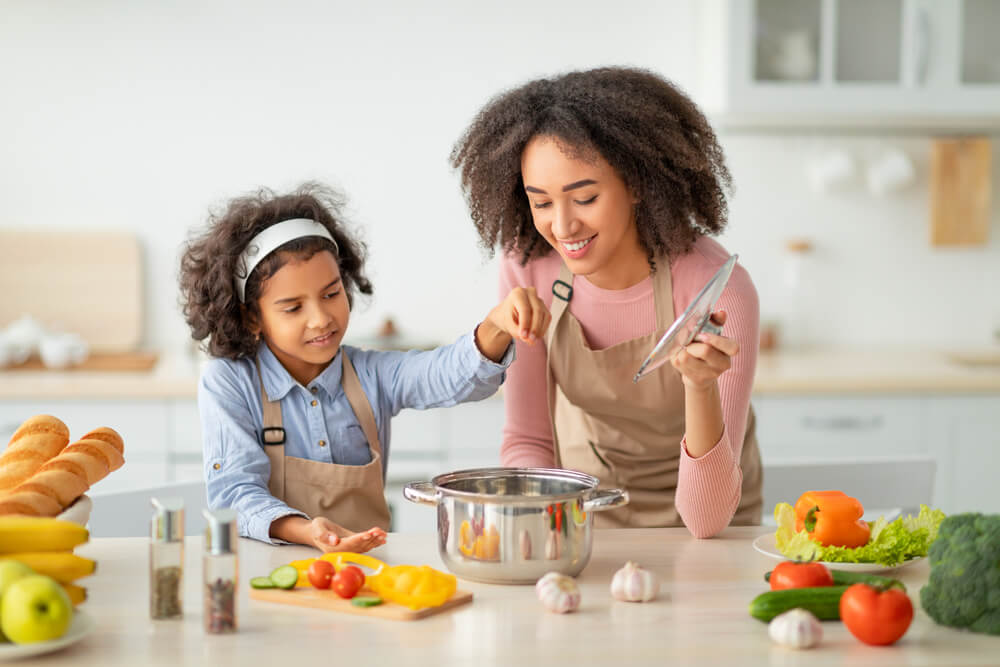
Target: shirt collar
278,381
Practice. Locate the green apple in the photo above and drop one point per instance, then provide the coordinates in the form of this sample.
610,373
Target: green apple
10,571
35,609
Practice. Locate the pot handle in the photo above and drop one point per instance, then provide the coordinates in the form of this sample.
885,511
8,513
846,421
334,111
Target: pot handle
422,493
605,499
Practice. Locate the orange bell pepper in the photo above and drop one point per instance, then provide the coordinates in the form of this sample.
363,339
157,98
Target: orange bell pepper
832,518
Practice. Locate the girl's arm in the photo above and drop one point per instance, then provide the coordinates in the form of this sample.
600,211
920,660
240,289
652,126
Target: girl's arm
710,481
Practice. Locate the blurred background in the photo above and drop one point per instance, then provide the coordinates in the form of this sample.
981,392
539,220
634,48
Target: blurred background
860,135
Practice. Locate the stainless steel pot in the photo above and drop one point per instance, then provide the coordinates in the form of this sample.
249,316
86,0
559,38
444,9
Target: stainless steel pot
512,525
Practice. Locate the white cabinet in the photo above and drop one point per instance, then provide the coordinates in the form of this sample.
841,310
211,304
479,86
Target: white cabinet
851,62
960,433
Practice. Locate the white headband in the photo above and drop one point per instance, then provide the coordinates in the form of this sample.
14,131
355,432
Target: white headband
270,240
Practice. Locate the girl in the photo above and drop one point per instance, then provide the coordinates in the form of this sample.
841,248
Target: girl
296,426
600,187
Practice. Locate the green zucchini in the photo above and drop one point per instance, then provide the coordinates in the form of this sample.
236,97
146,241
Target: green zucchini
261,582
822,601
366,601
844,578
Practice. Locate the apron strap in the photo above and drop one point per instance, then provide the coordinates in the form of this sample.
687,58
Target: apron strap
361,406
562,292
663,295
272,436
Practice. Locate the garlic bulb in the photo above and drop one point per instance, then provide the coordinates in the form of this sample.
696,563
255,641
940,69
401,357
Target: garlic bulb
796,628
634,584
558,593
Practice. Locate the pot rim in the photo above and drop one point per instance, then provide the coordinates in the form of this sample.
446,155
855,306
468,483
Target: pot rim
589,481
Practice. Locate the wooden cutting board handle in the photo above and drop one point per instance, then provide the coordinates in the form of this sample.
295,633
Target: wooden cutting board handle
960,178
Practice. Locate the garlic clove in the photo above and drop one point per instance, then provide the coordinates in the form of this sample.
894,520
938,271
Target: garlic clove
796,628
634,584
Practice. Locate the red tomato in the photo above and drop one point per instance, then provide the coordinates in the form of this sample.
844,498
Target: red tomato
320,573
790,574
348,581
876,617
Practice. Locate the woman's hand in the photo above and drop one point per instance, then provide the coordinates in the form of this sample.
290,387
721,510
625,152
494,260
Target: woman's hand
327,536
520,315
707,357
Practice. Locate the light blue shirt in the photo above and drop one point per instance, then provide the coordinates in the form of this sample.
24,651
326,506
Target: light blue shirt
237,469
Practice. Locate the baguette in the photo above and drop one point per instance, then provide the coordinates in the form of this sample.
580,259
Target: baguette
64,478
36,441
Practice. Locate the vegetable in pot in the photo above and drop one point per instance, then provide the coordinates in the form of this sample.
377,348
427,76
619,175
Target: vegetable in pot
964,586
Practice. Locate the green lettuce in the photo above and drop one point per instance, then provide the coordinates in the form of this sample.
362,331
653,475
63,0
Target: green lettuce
891,542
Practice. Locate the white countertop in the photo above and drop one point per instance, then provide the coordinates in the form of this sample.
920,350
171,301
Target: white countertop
820,370
700,617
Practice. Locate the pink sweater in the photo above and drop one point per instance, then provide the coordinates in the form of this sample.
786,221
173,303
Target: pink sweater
708,488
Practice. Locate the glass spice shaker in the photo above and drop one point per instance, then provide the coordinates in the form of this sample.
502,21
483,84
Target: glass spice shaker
220,570
166,558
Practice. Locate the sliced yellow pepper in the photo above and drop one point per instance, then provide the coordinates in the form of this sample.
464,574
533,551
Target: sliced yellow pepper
343,558
413,586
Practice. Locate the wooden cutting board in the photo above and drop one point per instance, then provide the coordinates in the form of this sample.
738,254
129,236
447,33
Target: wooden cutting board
318,599
89,283
960,178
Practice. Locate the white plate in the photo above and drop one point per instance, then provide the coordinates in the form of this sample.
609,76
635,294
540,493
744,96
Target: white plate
81,626
766,545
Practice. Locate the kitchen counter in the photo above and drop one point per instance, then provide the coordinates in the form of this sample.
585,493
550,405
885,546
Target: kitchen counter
699,618
821,370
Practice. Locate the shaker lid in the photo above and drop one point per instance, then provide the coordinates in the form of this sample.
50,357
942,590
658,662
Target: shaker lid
167,524
220,531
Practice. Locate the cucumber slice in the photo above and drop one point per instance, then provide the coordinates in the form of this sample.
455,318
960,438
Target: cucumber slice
366,601
285,577
261,582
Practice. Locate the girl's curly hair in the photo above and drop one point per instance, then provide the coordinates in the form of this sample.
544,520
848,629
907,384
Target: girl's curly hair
209,300
649,131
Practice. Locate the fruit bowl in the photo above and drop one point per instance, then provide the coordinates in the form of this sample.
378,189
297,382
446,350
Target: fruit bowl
78,511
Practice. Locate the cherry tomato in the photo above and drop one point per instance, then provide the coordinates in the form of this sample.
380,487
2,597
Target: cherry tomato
790,574
320,573
348,581
876,617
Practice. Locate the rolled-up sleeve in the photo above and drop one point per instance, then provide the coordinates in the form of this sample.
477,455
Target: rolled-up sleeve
237,469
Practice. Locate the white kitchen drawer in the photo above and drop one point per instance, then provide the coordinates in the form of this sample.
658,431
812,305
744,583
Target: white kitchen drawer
143,425
849,427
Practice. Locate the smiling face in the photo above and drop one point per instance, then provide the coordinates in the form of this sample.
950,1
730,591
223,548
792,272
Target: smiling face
304,314
585,211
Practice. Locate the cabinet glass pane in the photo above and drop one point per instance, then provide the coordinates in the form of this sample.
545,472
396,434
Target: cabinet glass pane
786,40
869,40
981,41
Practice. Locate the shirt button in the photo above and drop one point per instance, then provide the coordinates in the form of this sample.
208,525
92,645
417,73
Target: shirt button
322,443
216,466
314,404
314,389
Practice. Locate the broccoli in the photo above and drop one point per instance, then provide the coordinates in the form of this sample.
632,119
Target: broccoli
964,587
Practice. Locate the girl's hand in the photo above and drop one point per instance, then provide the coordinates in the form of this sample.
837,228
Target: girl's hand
522,315
707,357
327,536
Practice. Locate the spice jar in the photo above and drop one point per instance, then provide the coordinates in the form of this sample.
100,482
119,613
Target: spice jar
166,558
220,570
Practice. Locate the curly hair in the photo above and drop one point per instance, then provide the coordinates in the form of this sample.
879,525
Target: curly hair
650,132
209,300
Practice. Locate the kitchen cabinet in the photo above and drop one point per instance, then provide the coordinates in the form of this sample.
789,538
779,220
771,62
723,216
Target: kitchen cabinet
890,63
960,433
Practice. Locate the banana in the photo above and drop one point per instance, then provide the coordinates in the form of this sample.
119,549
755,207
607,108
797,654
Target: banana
63,566
34,534
77,594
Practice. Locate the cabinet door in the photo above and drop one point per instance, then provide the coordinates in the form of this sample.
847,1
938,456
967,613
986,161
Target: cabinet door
966,432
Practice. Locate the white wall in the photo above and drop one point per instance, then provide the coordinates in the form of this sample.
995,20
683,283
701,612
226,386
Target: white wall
140,116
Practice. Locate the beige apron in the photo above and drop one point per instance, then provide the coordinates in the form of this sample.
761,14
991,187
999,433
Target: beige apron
351,496
627,434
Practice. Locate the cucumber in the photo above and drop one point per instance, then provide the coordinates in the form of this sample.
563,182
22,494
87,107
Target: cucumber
822,601
285,577
366,601
844,578
261,582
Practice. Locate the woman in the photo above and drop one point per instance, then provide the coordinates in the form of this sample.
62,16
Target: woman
601,188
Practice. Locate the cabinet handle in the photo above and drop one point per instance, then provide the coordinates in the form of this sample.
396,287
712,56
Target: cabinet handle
843,423
923,45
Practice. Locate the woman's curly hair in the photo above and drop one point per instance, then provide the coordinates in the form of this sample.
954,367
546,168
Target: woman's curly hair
649,131
209,299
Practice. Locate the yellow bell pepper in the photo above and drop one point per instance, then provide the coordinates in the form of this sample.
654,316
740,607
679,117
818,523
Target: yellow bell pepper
413,586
